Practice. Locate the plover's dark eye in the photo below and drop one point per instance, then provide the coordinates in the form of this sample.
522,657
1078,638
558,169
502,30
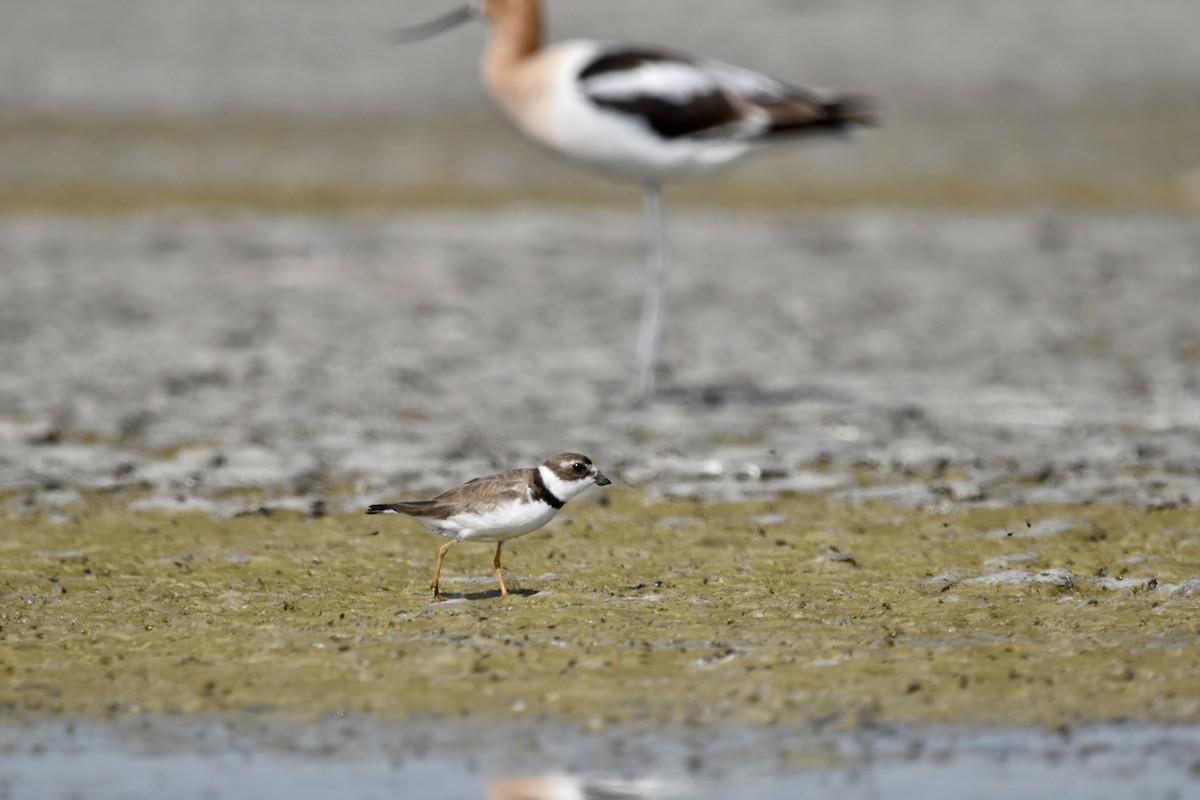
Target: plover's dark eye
579,468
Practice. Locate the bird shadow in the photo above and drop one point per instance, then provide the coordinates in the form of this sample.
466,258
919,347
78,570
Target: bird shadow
487,594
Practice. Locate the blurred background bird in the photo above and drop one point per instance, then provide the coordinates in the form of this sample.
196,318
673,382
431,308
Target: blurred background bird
642,113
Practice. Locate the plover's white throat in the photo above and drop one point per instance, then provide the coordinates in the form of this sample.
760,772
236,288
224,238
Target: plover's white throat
496,508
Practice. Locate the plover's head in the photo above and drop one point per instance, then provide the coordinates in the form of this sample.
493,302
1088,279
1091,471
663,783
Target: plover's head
568,474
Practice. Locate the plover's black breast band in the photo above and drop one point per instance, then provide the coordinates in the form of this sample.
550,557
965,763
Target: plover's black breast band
542,492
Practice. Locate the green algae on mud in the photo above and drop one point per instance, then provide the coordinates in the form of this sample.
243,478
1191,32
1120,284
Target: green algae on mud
794,611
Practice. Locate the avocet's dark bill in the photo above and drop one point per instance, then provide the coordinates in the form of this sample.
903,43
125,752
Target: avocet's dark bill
432,28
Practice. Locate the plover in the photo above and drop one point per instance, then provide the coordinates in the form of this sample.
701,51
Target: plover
496,508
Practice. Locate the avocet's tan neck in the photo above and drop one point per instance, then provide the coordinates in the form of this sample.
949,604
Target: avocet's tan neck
516,32
516,74
516,36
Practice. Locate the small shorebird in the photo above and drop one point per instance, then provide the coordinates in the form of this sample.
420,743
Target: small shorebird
639,113
496,508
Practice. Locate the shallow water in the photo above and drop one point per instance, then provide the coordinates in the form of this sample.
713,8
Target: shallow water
220,759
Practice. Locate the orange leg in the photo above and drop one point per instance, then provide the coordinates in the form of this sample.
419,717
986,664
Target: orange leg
437,571
499,577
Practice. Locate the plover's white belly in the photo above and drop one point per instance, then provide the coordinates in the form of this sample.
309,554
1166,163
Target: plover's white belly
495,525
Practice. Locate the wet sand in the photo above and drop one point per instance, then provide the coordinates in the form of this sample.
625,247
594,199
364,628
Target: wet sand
798,612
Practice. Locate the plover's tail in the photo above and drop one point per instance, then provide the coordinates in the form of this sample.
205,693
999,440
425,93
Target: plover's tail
413,508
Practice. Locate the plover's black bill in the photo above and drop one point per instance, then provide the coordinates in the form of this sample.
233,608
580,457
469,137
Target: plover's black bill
428,30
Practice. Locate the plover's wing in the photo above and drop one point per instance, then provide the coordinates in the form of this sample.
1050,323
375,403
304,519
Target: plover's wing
477,495
490,491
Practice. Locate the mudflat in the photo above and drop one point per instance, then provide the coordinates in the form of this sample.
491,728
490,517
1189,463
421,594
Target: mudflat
917,467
